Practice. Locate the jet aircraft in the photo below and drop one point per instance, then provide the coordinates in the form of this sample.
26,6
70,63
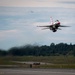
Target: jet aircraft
54,26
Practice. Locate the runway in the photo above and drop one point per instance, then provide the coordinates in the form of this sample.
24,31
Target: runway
37,71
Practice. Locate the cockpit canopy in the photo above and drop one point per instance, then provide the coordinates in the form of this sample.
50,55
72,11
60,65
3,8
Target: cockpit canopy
57,21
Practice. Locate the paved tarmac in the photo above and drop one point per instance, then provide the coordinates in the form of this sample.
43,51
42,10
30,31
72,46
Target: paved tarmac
27,71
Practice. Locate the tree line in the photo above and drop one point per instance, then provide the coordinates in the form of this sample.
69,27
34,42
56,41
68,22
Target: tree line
44,50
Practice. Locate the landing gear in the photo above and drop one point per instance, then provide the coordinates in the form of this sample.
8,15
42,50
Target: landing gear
54,30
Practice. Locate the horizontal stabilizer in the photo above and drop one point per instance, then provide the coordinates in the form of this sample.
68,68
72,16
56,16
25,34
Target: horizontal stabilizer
59,29
45,28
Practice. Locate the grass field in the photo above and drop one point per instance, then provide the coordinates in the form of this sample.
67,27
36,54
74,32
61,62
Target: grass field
55,61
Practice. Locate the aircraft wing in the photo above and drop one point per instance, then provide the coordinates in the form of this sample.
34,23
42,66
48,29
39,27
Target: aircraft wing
63,26
45,26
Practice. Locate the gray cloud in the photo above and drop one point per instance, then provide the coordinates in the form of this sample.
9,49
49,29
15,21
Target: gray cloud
68,2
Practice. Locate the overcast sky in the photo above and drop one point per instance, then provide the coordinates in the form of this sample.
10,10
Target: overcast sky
38,3
18,26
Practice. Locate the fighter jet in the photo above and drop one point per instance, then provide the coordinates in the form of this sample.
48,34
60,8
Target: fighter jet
54,26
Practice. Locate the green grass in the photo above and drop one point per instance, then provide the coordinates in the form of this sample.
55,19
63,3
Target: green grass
62,66
56,61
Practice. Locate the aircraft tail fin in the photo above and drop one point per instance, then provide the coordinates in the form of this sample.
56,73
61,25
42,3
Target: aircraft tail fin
51,20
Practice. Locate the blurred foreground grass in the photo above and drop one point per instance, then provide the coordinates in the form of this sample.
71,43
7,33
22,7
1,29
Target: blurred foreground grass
55,61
